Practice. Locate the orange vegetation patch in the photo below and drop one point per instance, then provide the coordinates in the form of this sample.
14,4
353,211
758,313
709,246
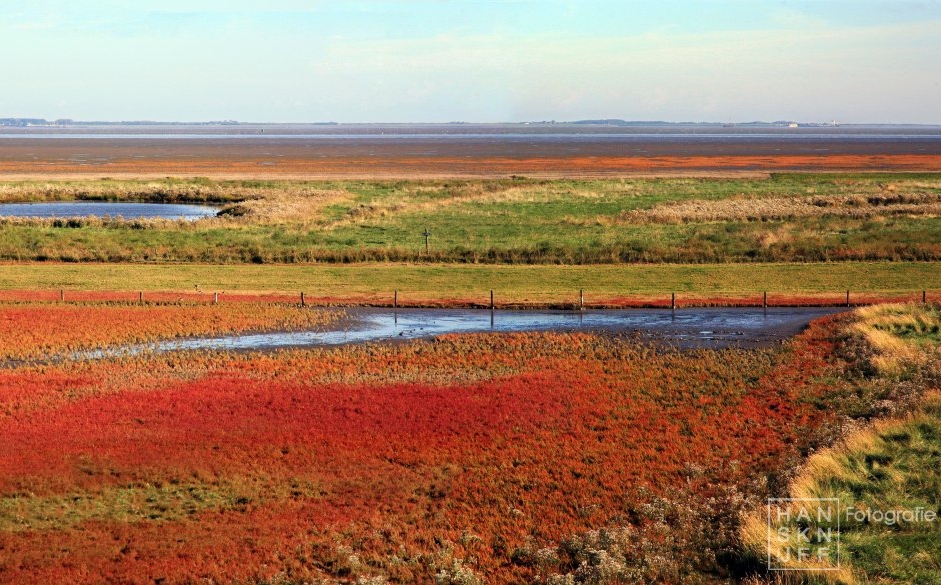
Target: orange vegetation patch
482,166
202,297
36,330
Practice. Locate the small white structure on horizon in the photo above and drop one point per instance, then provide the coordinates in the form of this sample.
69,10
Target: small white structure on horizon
792,125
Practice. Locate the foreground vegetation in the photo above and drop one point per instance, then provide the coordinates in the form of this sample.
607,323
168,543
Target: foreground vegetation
784,218
40,331
456,460
883,477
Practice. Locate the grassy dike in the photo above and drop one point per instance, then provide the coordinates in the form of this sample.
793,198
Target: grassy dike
428,282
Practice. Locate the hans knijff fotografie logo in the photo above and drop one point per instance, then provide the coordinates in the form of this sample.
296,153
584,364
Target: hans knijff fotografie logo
804,533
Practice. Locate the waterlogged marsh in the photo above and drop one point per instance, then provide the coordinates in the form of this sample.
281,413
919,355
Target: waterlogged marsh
687,328
227,464
40,331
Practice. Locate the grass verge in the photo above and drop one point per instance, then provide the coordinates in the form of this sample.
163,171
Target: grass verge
435,283
881,482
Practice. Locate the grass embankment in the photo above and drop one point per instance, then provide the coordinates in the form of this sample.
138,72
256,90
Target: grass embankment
451,284
885,477
784,218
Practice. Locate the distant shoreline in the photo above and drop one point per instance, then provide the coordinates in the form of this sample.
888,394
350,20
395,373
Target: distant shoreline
407,127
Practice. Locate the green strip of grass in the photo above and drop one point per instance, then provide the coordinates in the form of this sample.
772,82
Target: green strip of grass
460,280
900,475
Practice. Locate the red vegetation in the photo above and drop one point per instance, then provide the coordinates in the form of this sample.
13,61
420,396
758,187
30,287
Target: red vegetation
85,296
366,460
36,330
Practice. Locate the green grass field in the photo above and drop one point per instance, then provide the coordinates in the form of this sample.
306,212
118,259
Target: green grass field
528,240
783,218
895,470
539,283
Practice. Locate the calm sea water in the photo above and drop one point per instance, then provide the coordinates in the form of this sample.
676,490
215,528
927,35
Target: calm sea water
460,140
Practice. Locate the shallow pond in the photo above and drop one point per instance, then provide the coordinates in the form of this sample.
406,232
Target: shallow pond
108,209
686,328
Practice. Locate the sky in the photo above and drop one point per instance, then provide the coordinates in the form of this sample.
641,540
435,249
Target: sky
864,61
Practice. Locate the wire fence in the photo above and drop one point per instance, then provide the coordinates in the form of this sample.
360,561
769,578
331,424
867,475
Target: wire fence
479,299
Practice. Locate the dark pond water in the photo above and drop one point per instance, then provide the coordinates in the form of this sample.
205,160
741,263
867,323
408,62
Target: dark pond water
107,209
686,328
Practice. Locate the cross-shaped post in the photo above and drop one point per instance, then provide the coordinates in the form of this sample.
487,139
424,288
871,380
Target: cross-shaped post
427,234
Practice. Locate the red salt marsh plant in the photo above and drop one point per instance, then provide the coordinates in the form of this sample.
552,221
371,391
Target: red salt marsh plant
31,330
437,460
195,295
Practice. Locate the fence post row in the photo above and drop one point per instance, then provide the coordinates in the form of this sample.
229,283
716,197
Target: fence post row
581,299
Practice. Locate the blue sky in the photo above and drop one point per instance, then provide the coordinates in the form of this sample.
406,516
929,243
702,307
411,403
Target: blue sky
481,60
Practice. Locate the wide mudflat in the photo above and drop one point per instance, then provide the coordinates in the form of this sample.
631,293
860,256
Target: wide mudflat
361,151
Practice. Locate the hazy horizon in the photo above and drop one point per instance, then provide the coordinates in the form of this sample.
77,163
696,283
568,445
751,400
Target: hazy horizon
509,61
627,123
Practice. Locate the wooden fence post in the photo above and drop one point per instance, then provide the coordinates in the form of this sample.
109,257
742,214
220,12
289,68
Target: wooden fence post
847,298
140,297
764,302
215,298
61,294
395,299
581,299
303,302
491,299
924,297
673,301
